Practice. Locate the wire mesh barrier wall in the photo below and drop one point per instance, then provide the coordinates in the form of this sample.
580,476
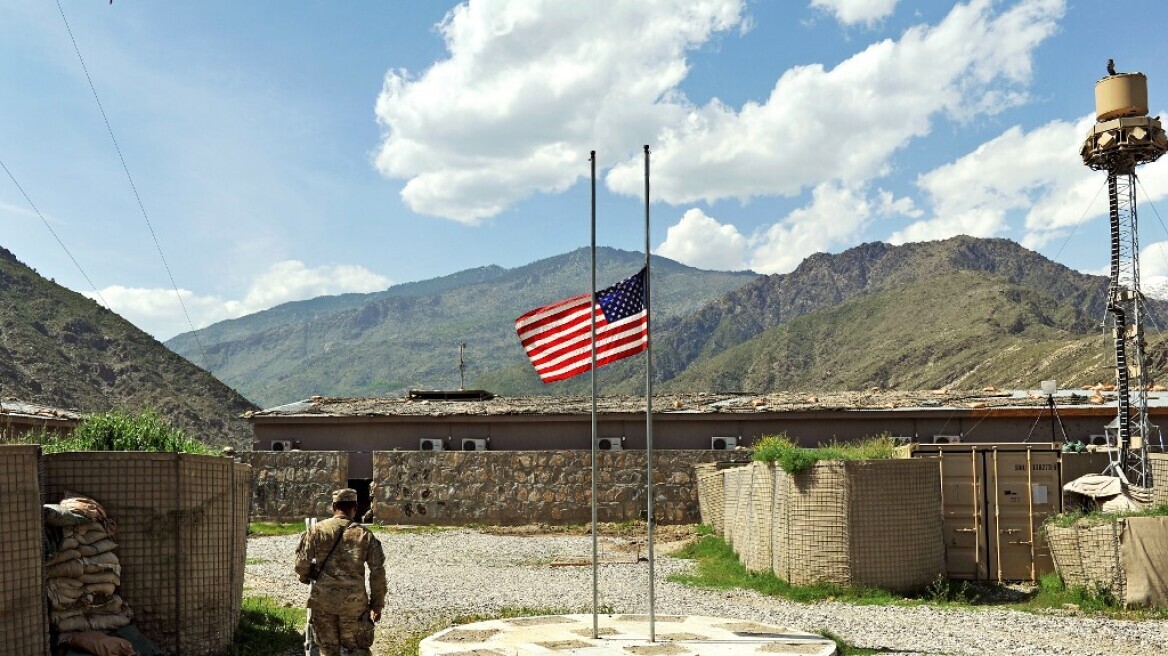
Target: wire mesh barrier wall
23,624
736,482
874,523
812,535
896,524
241,490
1088,555
711,495
1123,557
292,485
1158,463
756,542
178,538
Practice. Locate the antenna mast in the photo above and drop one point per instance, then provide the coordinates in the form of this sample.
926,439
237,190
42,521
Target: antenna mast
461,366
1124,137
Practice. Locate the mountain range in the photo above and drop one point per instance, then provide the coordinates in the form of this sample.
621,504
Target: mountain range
960,313
61,349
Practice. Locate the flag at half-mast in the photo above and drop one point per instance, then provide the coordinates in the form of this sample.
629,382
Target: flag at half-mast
558,337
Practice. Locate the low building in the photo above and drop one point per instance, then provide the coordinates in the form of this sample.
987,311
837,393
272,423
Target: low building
18,418
360,426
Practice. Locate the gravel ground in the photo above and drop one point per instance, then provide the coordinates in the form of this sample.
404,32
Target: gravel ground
437,575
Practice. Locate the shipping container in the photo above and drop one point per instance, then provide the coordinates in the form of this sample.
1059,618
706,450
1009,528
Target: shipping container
995,498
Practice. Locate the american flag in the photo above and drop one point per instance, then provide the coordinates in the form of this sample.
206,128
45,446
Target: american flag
558,337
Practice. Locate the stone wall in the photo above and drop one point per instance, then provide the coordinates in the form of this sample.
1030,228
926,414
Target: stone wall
528,487
292,485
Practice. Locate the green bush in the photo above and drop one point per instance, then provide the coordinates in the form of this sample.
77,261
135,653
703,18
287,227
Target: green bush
794,458
120,431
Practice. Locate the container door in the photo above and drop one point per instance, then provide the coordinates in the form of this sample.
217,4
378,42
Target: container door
962,494
1024,487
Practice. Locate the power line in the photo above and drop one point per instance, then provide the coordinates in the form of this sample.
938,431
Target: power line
133,187
54,233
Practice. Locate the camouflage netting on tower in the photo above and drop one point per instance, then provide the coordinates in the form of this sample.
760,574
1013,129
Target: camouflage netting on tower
181,535
23,629
292,485
1120,556
872,523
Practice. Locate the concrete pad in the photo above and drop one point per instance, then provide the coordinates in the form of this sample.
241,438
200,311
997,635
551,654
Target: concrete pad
623,635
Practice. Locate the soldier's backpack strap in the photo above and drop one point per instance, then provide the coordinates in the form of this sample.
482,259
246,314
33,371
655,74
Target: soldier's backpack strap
320,568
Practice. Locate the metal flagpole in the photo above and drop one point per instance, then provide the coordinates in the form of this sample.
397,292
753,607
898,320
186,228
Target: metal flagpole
649,406
592,290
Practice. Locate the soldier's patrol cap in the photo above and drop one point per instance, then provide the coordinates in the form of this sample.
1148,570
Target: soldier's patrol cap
345,494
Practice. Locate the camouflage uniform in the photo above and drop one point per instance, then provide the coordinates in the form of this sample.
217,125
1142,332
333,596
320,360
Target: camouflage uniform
339,603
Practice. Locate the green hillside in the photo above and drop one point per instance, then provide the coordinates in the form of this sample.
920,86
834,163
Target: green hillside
61,349
962,330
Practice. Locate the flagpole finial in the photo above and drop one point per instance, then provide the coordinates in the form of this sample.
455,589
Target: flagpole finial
646,148
592,156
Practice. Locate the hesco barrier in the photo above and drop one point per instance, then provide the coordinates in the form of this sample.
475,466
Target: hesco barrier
711,497
292,485
1121,556
23,623
182,532
872,523
1158,462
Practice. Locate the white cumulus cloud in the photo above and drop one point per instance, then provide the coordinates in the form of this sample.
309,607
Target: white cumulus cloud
846,123
836,215
1033,181
850,12
529,88
158,312
703,242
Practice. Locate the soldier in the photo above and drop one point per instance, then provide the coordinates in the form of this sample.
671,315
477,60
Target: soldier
332,556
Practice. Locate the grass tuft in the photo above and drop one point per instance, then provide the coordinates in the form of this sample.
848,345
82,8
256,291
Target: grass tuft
267,628
793,458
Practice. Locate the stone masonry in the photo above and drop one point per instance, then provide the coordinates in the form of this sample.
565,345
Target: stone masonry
528,487
292,485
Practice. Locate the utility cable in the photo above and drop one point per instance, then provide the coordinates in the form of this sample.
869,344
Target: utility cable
1148,199
133,187
55,236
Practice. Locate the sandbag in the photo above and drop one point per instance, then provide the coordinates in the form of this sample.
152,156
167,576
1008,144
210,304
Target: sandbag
101,577
97,643
58,515
94,534
62,556
70,569
99,547
100,588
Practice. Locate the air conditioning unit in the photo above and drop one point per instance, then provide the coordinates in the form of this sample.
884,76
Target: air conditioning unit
610,443
1098,440
474,444
723,443
946,439
281,445
430,444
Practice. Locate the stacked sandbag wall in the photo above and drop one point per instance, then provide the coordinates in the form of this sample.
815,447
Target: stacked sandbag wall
23,623
181,538
82,570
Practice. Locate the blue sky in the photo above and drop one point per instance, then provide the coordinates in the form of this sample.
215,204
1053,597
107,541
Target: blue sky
287,150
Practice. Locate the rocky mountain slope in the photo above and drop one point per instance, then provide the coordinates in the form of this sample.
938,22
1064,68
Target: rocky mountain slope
408,336
61,349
